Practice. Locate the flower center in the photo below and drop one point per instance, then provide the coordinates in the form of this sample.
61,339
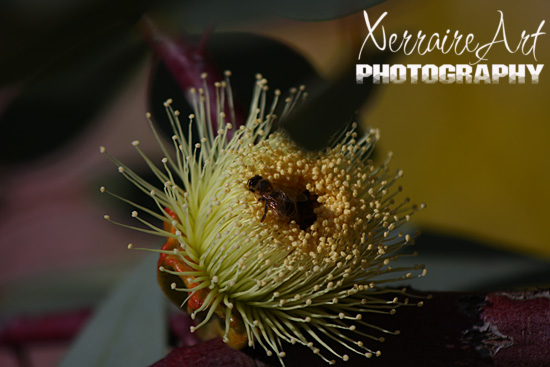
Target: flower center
307,202
287,203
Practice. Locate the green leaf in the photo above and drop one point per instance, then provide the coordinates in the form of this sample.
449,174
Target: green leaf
129,329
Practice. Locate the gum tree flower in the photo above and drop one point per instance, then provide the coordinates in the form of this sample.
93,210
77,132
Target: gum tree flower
280,244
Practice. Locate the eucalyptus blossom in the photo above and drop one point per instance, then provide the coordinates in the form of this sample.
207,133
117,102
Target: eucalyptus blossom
241,257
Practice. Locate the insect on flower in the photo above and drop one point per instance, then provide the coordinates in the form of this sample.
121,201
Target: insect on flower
288,204
282,244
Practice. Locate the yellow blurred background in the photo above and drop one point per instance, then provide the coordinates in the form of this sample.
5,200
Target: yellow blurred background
475,154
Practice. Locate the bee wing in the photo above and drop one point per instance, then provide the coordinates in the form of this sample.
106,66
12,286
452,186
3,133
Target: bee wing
295,194
282,204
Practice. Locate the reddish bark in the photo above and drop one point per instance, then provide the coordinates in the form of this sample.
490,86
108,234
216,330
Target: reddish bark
213,353
521,328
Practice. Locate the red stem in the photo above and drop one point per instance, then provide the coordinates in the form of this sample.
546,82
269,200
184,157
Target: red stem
188,62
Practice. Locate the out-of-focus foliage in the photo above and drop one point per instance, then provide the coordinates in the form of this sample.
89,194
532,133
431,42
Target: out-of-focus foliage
129,329
64,61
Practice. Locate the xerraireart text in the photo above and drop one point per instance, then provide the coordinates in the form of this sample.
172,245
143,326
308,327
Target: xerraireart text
476,71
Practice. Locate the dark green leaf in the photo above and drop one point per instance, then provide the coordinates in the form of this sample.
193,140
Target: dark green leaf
57,104
315,10
36,36
195,15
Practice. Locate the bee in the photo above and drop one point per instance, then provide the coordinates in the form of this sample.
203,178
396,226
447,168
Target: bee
286,203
